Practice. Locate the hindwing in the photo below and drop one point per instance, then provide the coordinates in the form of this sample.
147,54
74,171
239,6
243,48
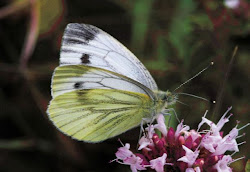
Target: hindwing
99,114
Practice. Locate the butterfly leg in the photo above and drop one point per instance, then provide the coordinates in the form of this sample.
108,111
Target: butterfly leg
167,112
144,120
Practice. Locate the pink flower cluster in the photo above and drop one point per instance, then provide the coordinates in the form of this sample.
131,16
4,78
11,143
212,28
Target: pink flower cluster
183,149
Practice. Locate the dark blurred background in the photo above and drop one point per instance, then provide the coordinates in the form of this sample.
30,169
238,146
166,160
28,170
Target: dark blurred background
174,39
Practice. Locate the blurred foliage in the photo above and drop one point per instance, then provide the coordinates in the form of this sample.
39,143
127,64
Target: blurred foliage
180,30
44,15
247,166
174,39
50,15
140,24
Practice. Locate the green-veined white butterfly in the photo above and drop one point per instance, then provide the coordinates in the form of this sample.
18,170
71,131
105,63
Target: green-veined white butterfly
101,89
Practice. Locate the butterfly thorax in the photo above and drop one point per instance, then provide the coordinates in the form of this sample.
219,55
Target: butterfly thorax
164,99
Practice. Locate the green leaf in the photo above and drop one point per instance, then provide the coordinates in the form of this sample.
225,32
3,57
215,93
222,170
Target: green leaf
247,169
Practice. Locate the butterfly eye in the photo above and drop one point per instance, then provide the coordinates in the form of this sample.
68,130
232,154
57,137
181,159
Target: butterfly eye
165,97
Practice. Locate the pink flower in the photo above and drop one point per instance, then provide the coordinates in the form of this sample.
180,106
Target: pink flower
222,165
183,149
194,134
223,120
124,152
215,128
144,142
210,142
147,141
158,163
189,157
129,158
232,3
213,141
228,143
135,163
161,125
151,131
181,129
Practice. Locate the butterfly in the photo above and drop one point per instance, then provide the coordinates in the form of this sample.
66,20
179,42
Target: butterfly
101,89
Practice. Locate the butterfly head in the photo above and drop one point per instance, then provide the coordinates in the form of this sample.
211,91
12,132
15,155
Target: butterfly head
168,97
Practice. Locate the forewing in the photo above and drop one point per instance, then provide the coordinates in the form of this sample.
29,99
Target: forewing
99,114
89,45
78,77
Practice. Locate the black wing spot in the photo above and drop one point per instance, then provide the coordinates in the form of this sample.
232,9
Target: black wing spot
78,85
89,31
85,59
72,40
76,31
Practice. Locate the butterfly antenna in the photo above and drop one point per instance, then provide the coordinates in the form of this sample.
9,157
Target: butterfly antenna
212,63
192,95
182,103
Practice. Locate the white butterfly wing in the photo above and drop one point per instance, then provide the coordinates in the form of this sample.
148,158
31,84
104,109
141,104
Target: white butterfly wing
69,78
88,45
